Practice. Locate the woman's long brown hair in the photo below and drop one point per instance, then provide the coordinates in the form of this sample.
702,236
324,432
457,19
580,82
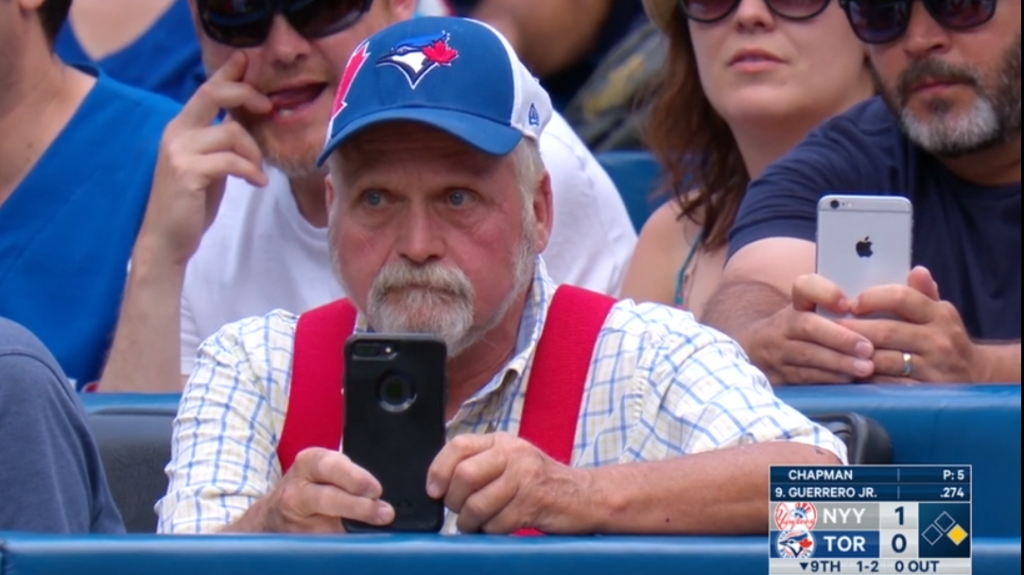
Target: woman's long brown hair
705,171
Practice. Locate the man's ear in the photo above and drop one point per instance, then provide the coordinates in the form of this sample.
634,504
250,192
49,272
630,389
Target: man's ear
543,211
329,195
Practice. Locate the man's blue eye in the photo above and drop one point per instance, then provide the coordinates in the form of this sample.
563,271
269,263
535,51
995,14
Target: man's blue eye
375,198
457,198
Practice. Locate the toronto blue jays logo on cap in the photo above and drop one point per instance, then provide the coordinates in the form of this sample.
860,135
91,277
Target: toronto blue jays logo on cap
417,57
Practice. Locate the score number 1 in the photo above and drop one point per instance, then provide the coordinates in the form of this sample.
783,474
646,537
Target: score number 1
899,540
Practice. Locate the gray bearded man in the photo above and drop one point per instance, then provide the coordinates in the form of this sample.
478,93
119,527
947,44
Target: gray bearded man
945,134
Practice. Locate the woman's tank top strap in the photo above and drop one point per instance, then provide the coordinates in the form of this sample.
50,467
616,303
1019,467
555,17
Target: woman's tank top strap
681,279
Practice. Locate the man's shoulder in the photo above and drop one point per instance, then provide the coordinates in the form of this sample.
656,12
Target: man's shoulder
143,106
868,129
565,154
15,338
862,150
559,133
660,325
256,336
21,351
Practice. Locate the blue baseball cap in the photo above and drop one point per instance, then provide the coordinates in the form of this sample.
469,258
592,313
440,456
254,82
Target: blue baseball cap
456,74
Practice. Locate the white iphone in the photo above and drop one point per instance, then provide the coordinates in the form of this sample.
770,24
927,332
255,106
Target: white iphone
864,241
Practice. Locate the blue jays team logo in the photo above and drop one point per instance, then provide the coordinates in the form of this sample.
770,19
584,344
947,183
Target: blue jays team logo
795,544
417,57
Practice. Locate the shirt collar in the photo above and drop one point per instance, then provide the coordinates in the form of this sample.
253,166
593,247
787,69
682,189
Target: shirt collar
531,325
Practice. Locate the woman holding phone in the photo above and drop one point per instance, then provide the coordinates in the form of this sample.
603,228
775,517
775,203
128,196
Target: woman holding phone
745,81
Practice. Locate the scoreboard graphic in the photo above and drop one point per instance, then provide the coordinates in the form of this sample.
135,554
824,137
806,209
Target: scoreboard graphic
880,519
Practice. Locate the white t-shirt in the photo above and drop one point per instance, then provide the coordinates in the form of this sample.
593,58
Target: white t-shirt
260,254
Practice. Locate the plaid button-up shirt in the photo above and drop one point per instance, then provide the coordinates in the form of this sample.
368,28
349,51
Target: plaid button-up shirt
660,385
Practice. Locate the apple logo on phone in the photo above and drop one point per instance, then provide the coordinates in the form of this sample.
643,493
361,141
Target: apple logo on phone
863,248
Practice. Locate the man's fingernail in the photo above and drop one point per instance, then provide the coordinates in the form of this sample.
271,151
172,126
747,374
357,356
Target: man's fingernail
864,350
385,513
863,367
433,489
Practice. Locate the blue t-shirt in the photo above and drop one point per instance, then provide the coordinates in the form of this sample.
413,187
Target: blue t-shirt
967,235
69,227
166,59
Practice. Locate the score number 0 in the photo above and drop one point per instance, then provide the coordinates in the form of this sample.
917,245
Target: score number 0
899,541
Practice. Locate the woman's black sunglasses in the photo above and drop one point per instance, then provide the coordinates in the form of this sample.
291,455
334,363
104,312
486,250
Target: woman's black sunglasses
883,21
711,11
247,23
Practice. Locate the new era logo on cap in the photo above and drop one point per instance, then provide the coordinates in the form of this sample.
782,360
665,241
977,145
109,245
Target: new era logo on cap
455,74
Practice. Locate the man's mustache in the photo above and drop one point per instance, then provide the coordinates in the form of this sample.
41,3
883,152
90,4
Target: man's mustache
433,277
932,70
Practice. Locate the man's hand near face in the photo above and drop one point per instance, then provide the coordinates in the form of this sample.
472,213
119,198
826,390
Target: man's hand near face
196,157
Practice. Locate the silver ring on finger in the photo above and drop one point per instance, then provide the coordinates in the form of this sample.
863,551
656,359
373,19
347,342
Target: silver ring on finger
908,364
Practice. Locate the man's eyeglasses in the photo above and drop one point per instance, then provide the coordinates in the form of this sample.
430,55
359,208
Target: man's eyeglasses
711,11
883,21
247,23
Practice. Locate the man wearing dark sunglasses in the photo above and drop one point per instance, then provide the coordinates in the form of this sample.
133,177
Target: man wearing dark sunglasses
945,134
264,246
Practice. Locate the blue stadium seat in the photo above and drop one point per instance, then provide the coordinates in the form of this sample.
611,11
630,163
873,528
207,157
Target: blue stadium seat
637,175
409,555
134,444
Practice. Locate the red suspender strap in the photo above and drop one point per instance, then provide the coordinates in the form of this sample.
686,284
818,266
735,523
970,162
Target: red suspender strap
316,413
554,394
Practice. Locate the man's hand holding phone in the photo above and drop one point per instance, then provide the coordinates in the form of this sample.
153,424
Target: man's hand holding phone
499,483
798,345
927,340
924,341
322,488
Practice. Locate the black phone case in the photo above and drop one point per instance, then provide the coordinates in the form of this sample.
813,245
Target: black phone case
396,441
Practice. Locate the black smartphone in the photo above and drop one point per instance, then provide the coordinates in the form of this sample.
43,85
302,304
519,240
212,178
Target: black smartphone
395,390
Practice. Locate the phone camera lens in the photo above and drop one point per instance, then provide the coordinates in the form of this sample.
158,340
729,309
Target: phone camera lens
834,204
396,392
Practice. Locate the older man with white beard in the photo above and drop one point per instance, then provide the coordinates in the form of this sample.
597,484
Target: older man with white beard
440,204
945,133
